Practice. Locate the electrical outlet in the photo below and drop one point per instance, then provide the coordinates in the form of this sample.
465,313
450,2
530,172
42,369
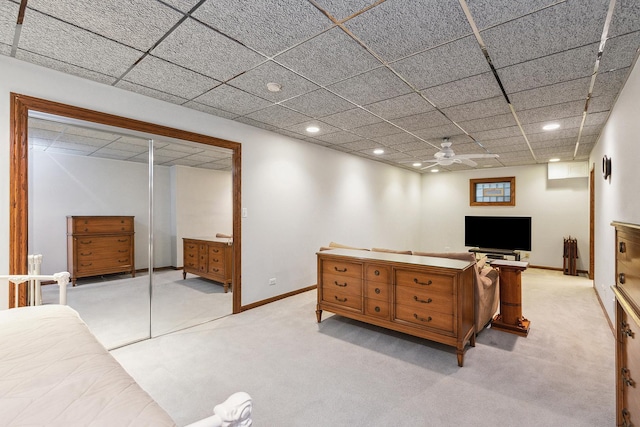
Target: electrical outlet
272,281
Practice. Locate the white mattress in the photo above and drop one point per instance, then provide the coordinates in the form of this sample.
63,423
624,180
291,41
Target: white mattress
54,372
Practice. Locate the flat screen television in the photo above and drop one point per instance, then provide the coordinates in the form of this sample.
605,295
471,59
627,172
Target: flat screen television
498,232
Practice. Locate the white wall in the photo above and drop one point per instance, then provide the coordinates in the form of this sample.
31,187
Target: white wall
617,199
299,196
558,209
203,205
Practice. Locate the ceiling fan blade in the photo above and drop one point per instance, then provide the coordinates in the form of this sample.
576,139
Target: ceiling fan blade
477,156
430,166
468,162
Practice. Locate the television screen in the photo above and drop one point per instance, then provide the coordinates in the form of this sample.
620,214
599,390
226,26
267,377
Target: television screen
498,232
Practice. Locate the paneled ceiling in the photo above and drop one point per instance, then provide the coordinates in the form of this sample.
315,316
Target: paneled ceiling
399,75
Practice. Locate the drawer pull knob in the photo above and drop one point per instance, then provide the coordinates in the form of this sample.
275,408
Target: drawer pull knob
626,329
621,278
377,309
216,260
344,270
192,255
622,247
626,378
216,250
123,260
87,265
85,253
422,283
86,229
340,300
626,418
342,285
216,269
427,301
122,240
377,272
378,290
422,319
85,242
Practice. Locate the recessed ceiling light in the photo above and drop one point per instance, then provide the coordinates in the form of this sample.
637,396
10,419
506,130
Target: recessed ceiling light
551,126
378,151
313,129
554,160
435,170
417,164
274,87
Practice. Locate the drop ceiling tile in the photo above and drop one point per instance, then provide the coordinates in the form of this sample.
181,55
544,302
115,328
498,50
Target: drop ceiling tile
436,133
318,103
256,123
487,13
5,49
412,146
423,25
8,19
121,146
300,128
195,46
371,87
488,123
341,9
52,38
147,91
376,130
601,103
264,25
138,24
279,116
620,52
552,112
398,139
626,18
559,144
499,133
166,77
423,154
479,109
505,145
111,153
453,61
91,133
572,90
340,137
66,151
233,100
139,143
470,89
78,147
584,150
566,123
556,134
255,82
596,119
559,67
422,121
64,67
36,124
566,25
350,119
329,57
85,141
363,144
611,82
562,152
182,162
182,5
400,106
210,110
394,156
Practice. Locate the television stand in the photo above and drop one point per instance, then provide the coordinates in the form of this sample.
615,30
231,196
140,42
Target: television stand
497,253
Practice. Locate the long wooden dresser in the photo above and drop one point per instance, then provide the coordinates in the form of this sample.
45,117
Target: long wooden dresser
99,245
627,291
427,297
209,258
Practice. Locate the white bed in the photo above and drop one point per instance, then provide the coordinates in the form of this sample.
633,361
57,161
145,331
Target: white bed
54,372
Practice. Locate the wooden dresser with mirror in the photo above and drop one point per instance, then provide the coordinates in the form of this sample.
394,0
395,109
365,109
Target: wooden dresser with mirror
627,326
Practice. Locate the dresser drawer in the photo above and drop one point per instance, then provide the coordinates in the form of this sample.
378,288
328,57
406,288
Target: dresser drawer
628,279
423,280
377,291
377,273
627,248
106,224
342,268
425,318
342,284
630,365
376,308
424,299
342,299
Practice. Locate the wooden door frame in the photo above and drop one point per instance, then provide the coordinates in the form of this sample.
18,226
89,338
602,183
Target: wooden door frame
592,222
19,185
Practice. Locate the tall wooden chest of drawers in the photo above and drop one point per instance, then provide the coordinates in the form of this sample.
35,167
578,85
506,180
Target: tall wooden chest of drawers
427,297
627,291
99,245
209,258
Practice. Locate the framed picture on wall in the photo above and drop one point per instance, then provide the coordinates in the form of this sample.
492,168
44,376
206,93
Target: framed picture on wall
493,191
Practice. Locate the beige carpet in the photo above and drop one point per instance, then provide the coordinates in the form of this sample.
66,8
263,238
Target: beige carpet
345,373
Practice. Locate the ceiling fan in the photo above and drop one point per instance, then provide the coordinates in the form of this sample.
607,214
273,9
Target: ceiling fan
446,157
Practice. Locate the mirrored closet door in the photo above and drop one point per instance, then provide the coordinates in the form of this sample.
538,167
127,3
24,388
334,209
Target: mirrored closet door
124,211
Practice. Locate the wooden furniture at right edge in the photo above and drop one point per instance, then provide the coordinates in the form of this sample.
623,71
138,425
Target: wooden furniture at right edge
209,258
510,318
427,297
627,326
